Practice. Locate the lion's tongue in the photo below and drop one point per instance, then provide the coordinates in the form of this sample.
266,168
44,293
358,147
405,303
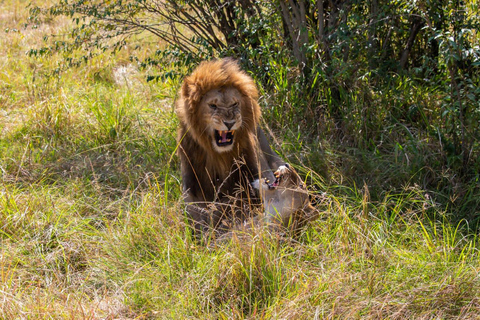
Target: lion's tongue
224,136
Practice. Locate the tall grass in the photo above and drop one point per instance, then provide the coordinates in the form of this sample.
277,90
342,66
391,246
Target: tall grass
91,222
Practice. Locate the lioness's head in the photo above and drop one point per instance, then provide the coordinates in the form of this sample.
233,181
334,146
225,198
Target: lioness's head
285,178
218,105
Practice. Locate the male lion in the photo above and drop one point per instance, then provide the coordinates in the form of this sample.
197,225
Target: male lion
221,147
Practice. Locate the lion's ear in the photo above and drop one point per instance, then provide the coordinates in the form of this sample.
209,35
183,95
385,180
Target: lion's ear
190,91
186,88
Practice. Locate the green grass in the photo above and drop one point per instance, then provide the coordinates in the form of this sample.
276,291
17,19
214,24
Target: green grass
91,223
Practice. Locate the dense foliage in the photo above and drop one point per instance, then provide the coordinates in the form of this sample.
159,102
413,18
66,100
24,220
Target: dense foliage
394,78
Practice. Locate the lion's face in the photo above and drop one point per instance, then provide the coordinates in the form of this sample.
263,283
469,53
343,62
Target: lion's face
221,111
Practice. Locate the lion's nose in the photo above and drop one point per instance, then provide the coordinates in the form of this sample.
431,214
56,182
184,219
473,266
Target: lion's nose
229,124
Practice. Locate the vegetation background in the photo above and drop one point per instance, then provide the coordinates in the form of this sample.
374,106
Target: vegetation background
375,102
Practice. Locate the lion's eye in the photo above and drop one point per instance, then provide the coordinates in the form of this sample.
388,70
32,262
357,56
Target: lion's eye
235,105
213,106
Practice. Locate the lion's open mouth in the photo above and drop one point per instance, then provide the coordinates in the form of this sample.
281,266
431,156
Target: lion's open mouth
224,138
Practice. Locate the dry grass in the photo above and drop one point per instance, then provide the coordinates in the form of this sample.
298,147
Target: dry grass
91,224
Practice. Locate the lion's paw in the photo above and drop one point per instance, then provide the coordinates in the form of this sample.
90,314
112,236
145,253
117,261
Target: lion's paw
282,170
